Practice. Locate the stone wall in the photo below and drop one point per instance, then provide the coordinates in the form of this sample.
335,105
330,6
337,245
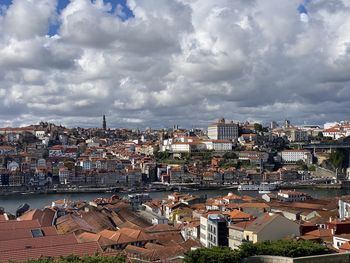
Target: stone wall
333,258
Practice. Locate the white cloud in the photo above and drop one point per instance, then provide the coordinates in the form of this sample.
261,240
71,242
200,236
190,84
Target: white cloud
180,61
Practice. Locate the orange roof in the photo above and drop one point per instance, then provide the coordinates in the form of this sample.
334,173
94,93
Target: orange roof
254,205
320,233
345,246
236,214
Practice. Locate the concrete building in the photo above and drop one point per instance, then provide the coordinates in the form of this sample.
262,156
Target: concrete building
344,208
223,130
297,135
292,156
271,227
217,231
292,196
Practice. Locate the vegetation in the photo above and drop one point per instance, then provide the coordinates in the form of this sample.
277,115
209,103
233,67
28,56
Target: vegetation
161,155
85,259
230,155
301,165
312,168
286,248
258,127
336,158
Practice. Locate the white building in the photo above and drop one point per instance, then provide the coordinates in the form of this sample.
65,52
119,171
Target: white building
188,147
219,145
339,240
40,134
292,156
223,131
344,208
204,230
292,196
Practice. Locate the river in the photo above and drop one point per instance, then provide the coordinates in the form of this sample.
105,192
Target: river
11,203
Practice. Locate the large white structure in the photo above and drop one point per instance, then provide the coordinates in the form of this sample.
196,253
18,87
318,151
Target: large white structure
223,130
219,145
292,156
188,147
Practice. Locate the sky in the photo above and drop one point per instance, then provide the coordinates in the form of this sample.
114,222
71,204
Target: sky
159,63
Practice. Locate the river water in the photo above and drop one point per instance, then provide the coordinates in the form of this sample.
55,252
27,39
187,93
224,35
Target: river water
11,203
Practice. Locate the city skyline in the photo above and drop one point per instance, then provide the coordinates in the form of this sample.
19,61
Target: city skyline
165,63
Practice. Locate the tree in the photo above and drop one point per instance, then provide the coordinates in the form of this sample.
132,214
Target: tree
230,155
213,255
284,248
258,127
301,165
336,158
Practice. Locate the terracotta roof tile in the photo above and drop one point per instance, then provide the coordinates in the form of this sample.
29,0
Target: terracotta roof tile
51,251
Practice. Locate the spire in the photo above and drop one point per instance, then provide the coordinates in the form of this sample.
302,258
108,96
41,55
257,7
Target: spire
104,124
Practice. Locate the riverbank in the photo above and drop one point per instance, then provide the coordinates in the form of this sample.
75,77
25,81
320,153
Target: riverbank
314,186
115,190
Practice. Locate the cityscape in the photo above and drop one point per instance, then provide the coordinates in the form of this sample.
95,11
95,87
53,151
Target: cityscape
158,194
174,131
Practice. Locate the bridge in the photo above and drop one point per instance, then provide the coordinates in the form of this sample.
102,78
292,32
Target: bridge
326,146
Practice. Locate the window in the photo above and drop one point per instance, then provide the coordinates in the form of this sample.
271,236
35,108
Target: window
37,232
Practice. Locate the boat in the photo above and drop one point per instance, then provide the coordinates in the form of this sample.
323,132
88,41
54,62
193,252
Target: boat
263,187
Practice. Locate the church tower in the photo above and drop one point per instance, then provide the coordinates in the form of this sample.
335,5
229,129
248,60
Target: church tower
104,124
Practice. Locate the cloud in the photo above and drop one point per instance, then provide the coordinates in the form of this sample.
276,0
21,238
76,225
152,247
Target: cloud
183,62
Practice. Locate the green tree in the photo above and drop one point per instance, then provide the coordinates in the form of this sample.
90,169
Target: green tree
213,255
284,248
258,127
230,155
336,158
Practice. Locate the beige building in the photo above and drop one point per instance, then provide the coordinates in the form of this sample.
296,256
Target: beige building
269,226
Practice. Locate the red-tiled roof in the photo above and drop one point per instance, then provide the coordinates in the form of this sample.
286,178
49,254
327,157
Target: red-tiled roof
15,225
37,242
51,251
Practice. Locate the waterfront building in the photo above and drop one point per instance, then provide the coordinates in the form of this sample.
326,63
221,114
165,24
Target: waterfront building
292,156
291,196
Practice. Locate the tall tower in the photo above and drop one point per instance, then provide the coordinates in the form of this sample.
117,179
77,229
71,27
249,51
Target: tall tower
104,124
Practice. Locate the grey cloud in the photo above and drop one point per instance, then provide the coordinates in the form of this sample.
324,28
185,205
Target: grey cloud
183,62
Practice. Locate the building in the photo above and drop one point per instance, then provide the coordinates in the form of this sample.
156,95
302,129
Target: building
291,196
217,231
223,130
344,207
219,145
292,156
104,124
297,135
270,226
236,234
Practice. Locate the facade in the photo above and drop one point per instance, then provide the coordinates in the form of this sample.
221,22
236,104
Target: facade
344,208
292,156
219,145
270,226
236,234
217,231
291,196
223,130
204,231
297,135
